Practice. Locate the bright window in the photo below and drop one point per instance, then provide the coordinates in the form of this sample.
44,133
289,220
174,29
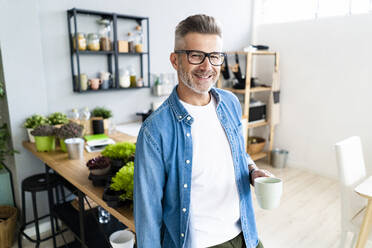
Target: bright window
274,11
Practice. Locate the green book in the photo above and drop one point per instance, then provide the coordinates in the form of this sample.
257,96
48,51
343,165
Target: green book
95,137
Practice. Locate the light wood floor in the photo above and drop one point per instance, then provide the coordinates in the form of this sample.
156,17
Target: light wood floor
309,213
308,217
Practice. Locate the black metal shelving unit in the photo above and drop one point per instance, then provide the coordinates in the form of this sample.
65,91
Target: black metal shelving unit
112,56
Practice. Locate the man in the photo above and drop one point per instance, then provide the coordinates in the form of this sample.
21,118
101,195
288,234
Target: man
192,175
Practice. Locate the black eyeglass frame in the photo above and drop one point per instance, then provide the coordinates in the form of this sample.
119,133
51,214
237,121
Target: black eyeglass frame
205,55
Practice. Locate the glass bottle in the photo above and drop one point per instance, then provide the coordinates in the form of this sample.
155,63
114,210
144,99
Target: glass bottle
124,79
85,114
93,42
74,115
139,40
132,73
130,43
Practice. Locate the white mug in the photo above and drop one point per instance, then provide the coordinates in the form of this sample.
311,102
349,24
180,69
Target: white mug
268,191
122,239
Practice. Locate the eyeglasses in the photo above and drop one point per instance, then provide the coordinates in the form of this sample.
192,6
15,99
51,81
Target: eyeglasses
196,57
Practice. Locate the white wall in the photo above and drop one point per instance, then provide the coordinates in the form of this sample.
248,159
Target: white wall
34,43
326,87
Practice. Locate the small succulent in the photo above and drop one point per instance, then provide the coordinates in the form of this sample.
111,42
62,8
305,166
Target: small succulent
123,180
101,112
35,120
70,130
122,150
99,162
44,130
57,118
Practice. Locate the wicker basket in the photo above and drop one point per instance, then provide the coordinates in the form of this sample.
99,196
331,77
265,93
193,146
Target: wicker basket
256,147
8,219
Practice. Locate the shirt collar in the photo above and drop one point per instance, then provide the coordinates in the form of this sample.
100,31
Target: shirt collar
179,110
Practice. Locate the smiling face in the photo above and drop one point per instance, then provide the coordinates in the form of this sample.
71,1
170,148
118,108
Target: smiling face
197,79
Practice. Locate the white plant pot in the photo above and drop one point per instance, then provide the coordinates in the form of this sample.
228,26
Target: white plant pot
31,138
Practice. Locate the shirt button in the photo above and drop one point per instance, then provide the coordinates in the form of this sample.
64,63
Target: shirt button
184,209
188,134
185,185
187,161
182,235
188,118
180,116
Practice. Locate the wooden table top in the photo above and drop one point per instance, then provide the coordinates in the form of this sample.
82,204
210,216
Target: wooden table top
365,188
76,172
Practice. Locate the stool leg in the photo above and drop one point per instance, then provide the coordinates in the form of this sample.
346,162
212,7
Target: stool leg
23,219
36,217
51,200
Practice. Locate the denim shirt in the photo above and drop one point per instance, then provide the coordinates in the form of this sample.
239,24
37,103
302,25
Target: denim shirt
162,172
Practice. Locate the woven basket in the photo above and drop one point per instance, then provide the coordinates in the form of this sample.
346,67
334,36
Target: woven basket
8,220
257,147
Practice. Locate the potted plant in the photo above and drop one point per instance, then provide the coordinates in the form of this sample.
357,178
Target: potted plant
44,138
33,122
121,187
57,119
67,131
99,165
120,154
102,113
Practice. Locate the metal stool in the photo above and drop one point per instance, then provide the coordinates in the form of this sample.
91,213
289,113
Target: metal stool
34,184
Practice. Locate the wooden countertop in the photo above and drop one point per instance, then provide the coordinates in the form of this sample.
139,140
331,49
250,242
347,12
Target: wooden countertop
76,172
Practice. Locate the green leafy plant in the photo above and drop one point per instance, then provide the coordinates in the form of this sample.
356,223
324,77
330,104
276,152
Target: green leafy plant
35,120
123,180
2,92
4,145
70,130
101,112
44,130
120,151
57,118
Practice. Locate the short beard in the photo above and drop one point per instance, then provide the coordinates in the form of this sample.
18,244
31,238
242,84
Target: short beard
187,82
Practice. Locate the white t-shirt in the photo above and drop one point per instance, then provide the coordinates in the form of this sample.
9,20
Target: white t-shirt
214,205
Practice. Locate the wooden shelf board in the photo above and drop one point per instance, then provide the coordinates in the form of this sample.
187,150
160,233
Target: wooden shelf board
260,88
252,90
242,91
258,156
263,52
258,124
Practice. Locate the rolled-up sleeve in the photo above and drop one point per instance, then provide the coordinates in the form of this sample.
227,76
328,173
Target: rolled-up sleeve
149,178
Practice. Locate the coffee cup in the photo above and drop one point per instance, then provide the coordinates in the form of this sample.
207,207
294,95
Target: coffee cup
94,83
268,191
105,84
122,239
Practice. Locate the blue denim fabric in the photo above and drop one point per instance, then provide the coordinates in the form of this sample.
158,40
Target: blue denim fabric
162,172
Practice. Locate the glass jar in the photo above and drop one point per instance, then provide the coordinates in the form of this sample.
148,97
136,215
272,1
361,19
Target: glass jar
131,48
105,31
81,41
139,40
93,42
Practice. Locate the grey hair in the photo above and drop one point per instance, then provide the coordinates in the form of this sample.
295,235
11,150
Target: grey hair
202,24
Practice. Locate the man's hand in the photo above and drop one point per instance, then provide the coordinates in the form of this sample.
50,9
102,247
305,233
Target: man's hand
259,173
